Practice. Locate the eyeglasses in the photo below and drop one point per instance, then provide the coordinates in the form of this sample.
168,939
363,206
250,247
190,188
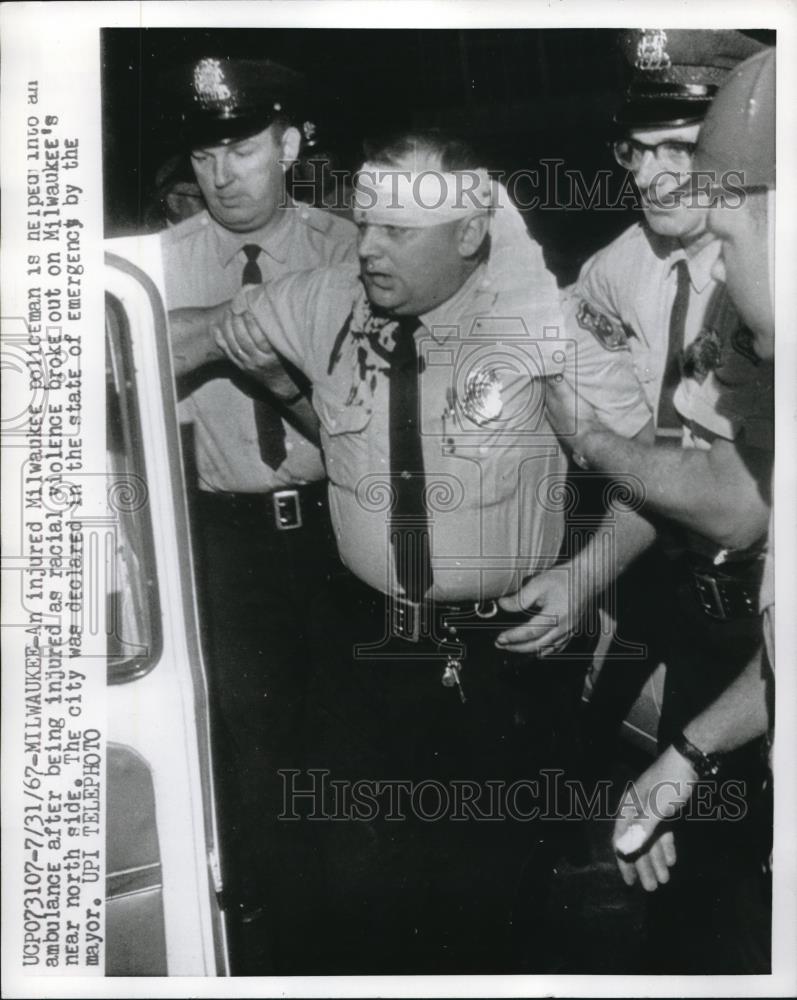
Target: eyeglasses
673,154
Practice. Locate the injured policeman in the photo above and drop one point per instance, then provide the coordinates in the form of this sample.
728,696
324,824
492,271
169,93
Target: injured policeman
428,365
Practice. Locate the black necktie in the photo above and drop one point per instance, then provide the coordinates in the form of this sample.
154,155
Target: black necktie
409,521
270,429
252,275
668,415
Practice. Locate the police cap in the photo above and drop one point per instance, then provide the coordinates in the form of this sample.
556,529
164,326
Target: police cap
677,72
221,99
739,131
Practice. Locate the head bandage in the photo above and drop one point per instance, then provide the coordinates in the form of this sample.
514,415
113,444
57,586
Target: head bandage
390,196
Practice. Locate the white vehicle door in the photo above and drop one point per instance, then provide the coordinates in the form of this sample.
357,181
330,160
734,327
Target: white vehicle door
163,881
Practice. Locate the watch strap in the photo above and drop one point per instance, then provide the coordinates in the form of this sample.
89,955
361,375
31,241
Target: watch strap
706,765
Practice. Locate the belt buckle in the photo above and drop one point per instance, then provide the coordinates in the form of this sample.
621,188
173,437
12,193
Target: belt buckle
710,597
287,510
405,619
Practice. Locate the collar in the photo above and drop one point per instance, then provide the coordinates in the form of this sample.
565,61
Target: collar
699,264
441,321
273,239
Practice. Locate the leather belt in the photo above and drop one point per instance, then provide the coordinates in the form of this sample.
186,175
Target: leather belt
286,509
437,621
727,591
440,622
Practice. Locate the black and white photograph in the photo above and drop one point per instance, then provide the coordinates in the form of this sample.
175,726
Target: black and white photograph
394,457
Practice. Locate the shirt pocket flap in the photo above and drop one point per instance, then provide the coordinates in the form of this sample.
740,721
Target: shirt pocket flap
337,418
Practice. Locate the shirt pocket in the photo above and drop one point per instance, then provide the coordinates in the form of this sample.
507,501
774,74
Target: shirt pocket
337,418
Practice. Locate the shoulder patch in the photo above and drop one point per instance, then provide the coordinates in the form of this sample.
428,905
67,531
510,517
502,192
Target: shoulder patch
611,336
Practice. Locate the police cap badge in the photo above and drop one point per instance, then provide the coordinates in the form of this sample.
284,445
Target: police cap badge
220,99
677,72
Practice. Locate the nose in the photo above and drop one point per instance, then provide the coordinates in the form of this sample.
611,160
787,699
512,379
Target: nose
646,170
718,269
368,242
221,170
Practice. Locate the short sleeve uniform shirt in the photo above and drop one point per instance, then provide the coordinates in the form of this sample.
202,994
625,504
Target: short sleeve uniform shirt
624,297
492,474
203,264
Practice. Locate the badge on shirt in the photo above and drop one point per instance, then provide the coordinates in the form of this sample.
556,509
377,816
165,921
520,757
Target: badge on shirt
703,355
482,400
611,336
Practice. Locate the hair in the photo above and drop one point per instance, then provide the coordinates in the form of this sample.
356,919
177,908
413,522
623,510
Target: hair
454,153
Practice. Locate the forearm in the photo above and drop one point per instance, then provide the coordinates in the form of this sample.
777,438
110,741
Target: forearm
597,565
738,716
713,492
191,334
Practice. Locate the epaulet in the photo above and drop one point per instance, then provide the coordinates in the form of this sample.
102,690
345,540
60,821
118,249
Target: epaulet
325,222
186,228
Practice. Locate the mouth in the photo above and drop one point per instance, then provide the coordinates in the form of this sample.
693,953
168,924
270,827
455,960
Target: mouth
378,279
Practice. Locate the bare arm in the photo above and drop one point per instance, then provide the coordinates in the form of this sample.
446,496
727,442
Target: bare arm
721,492
740,714
716,492
198,338
558,599
192,338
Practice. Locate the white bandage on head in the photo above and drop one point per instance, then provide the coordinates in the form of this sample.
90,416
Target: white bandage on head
390,196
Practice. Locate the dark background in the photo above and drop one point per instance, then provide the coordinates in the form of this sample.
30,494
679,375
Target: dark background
520,96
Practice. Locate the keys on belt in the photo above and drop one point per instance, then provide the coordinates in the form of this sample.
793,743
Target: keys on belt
438,623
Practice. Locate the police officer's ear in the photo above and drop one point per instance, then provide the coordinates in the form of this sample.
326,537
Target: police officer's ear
471,234
289,147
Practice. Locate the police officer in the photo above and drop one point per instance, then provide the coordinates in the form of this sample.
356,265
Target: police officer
651,296
265,544
428,366
738,136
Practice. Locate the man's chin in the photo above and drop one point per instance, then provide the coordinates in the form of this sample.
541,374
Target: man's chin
383,299
671,223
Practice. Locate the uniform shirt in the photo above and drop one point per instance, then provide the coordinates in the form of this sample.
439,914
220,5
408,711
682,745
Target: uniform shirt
624,296
203,264
491,489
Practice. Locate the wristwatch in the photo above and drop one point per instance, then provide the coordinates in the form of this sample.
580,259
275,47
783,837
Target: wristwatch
706,765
